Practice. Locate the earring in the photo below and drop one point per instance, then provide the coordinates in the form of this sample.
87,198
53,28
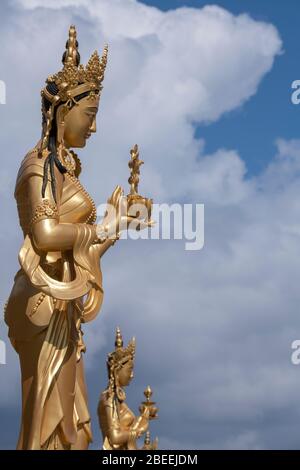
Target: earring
67,159
60,132
61,114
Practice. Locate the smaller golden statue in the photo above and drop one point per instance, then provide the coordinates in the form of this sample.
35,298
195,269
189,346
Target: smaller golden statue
119,426
133,198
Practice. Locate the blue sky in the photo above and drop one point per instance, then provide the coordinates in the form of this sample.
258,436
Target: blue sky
214,327
270,114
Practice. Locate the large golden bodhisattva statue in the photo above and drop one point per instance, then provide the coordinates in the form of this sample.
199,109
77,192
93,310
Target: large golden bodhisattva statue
59,285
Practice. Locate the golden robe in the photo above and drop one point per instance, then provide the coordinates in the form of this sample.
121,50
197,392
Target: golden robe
53,293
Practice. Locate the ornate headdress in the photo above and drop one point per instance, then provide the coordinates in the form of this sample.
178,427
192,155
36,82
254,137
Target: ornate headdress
120,355
73,80
115,361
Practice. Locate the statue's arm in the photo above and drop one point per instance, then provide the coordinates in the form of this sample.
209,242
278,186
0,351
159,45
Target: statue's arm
50,235
115,434
140,424
118,436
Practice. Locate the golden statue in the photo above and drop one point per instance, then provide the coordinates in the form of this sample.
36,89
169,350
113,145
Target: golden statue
59,285
119,426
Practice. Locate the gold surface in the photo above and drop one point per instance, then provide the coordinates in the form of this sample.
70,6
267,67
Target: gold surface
59,284
119,426
133,197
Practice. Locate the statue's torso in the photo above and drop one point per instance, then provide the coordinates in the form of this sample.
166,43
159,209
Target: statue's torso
108,418
74,206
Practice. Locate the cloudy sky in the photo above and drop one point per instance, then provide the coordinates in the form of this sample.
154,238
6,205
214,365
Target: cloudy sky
204,88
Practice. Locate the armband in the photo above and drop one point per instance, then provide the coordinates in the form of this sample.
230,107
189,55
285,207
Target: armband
45,210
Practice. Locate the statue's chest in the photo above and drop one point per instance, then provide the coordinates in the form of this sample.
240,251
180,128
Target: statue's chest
76,205
126,416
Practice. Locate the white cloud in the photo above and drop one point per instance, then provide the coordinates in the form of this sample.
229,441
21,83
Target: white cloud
166,71
214,329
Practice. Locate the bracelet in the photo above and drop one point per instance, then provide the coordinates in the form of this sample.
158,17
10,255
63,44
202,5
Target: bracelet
115,238
101,234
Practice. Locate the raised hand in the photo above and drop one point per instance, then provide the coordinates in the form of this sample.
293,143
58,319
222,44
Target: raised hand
117,219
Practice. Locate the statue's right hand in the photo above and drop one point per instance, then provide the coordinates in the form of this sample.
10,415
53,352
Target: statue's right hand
145,411
116,218
112,216
114,199
142,421
143,426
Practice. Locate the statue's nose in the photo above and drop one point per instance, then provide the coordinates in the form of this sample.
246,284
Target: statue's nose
93,127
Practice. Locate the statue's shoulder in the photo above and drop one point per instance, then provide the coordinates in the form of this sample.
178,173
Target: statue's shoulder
106,398
32,164
33,159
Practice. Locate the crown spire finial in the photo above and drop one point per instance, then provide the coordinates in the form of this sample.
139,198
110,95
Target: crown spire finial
75,78
119,339
71,54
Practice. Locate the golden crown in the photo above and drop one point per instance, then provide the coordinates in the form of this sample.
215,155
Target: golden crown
121,355
73,80
74,75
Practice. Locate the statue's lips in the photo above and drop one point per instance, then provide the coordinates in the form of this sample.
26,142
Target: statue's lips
87,135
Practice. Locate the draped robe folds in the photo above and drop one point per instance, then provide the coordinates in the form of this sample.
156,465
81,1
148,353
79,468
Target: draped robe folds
53,293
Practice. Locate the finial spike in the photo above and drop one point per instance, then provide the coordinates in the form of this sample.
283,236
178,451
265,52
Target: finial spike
119,339
71,55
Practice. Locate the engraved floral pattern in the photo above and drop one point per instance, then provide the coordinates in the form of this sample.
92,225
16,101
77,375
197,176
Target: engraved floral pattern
46,209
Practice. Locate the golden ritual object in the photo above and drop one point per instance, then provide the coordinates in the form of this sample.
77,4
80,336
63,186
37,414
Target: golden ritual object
59,284
149,404
133,198
119,426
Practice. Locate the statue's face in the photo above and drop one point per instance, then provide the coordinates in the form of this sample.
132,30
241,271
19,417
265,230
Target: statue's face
80,122
126,373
